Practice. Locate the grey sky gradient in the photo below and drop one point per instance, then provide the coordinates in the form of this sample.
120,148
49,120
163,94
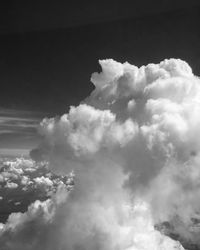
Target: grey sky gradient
23,16
18,131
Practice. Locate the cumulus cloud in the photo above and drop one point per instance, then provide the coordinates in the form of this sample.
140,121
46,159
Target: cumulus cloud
32,229
85,130
11,185
22,182
134,149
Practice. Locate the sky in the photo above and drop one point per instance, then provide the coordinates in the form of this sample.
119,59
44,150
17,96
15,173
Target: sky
46,68
26,16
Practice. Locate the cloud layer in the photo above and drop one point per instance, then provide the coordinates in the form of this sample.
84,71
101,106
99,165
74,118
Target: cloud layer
22,182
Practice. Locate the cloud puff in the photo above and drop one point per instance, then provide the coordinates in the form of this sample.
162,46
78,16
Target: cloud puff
86,130
11,185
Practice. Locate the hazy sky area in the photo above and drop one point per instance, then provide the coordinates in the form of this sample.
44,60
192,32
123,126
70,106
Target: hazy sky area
47,56
18,131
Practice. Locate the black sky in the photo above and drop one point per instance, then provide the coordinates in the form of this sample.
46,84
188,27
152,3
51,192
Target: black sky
23,16
49,50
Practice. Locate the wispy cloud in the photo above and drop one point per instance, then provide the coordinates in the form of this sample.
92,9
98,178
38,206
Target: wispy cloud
8,152
18,130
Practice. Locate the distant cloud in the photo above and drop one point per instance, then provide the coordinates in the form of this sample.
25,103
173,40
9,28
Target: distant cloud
16,121
22,182
18,131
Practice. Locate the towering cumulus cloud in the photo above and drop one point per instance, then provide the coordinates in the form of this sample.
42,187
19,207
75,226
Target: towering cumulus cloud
134,147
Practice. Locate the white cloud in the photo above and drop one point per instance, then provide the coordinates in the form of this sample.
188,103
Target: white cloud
43,182
134,148
86,130
11,185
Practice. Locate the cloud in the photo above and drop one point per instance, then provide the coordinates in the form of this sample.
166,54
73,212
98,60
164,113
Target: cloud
18,131
22,182
86,129
134,149
11,185
28,230
16,121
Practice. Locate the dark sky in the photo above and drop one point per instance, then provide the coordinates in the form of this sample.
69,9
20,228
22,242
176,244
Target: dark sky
48,70
48,51
22,16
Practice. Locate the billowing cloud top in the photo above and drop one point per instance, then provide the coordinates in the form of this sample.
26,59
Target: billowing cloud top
129,102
